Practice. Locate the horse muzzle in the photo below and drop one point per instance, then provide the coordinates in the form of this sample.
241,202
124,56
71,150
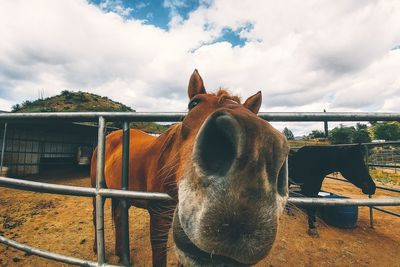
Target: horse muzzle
369,188
190,255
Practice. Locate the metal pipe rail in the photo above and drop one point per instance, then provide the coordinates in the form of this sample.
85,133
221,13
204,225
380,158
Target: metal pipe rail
386,211
99,200
71,190
354,144
371,208
176,116
3,147
125,254
325,202
378,186
50,255
384,165
91,192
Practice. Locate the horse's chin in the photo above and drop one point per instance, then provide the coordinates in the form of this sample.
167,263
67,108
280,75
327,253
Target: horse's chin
191,255
201,258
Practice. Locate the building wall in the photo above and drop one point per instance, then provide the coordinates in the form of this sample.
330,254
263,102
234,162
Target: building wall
28,149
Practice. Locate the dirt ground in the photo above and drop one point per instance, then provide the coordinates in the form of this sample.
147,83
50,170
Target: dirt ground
62,224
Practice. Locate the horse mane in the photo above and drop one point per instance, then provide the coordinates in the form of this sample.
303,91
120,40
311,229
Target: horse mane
225,94
170,135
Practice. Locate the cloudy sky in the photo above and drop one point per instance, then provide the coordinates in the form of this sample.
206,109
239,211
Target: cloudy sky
339,55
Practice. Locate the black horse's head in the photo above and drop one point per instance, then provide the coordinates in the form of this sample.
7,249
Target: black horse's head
354,169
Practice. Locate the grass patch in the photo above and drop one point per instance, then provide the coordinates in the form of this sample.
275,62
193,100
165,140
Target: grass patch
387,176
310,142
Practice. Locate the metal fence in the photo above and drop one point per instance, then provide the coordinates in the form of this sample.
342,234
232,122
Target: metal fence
387,160
100,193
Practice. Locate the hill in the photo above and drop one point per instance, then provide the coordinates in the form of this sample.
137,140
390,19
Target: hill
69,101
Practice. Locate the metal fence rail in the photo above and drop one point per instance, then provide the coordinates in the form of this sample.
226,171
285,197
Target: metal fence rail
384,165
176,116
47,254
71,190
378,186
100,192
369,164
91,192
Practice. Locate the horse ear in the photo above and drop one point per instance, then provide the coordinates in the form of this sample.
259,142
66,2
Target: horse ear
253,103
196,85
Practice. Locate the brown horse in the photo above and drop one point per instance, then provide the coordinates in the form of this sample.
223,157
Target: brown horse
225,168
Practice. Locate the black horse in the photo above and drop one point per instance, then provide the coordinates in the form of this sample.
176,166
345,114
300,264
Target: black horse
310,164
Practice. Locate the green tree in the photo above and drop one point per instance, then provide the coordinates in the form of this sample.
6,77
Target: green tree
316,134
347,135
387,130
361,126
288,133
361,134
15,107
342,135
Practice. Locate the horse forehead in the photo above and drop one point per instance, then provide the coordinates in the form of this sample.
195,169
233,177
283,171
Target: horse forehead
220,100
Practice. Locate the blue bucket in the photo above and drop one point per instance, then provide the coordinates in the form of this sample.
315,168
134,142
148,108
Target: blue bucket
340,216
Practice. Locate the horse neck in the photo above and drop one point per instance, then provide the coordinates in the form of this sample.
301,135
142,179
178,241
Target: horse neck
167,156
342,157
334,159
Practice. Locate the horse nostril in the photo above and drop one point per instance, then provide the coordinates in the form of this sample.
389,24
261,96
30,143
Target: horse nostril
229,231
216,144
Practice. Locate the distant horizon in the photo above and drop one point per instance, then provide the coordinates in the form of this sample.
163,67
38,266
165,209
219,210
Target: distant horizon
280,125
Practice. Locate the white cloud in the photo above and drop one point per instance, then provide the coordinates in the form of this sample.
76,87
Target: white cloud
303,55
117,6
5,105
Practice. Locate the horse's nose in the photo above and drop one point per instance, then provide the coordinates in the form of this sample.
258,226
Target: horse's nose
369,188
216,143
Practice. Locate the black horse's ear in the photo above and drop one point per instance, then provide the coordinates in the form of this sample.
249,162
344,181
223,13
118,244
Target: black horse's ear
196,85
253,103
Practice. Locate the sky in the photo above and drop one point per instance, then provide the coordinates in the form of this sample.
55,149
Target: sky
312,55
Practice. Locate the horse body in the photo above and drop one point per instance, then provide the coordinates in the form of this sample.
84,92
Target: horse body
310,164
224,167
145,161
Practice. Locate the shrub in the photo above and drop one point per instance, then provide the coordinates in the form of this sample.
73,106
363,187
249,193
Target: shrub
316,134
341,135
387,130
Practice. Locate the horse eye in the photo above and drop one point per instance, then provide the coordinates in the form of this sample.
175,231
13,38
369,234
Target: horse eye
193,103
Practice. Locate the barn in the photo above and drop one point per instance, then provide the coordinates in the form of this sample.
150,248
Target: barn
31,148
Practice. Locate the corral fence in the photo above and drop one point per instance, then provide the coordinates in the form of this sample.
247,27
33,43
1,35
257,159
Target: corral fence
374,160
387,160
100,193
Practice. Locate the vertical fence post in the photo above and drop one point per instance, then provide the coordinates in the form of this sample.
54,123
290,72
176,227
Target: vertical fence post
99,199
371,216
326,129
3,147
125,202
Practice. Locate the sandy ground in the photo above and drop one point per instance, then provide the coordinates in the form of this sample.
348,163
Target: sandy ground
62,224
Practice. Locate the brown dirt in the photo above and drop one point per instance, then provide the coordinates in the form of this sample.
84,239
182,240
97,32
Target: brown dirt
63,224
